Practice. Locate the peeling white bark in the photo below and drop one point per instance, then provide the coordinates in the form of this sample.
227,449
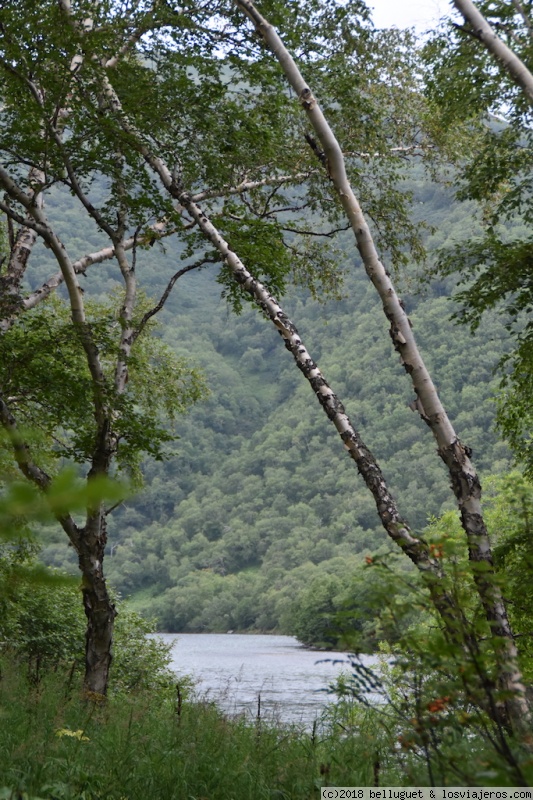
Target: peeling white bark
20,252
464,479
126,315
247,185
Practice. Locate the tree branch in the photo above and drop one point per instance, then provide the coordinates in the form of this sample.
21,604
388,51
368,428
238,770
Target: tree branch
21,450
157,231
247,186
164,297
329,234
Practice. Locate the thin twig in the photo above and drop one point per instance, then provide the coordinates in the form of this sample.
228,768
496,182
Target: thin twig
329,234
164,297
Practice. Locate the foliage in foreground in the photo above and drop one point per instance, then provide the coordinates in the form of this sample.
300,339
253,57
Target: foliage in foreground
489,114
429,726
423,715
376,600
42,621
145,744
139,746
436,691
42,628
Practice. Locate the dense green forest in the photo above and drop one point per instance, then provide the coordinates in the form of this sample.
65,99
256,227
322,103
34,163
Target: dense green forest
255,503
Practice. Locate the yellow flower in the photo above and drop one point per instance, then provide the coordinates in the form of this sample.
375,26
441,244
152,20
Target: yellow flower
73,734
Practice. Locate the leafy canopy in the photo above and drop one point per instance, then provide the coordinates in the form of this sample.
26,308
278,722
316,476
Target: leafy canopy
44,374
477,104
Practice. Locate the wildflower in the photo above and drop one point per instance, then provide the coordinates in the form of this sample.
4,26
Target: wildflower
72,734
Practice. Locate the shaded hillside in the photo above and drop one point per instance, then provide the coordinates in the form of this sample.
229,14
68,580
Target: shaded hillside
258,498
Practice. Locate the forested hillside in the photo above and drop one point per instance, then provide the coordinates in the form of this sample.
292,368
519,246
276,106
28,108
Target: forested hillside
217,410
257,502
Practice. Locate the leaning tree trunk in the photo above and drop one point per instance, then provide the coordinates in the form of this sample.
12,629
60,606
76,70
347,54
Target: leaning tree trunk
486,34
464,479
395,525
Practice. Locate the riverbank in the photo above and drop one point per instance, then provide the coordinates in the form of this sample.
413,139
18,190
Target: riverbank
159,744
156,745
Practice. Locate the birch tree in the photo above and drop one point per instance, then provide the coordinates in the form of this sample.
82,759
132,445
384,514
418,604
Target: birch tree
464,480
121,106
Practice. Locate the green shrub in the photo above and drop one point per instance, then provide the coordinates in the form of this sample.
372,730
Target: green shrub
42,626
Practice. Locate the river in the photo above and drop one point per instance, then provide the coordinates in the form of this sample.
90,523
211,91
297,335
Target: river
234,670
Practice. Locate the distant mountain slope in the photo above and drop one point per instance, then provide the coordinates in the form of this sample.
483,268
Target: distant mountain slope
258,498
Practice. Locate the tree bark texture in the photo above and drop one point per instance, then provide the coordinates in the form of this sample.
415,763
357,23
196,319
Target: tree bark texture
395,525
464,479
21,248
99,609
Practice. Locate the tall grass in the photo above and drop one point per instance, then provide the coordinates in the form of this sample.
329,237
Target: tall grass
137,747
146,746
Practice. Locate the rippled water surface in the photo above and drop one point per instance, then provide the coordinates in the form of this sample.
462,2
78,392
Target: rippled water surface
234,670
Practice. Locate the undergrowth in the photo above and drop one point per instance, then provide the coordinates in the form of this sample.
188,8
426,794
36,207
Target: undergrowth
147,745
144,745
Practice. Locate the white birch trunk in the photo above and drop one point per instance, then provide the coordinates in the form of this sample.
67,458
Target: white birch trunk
19,255
126,315
483,31
464,479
